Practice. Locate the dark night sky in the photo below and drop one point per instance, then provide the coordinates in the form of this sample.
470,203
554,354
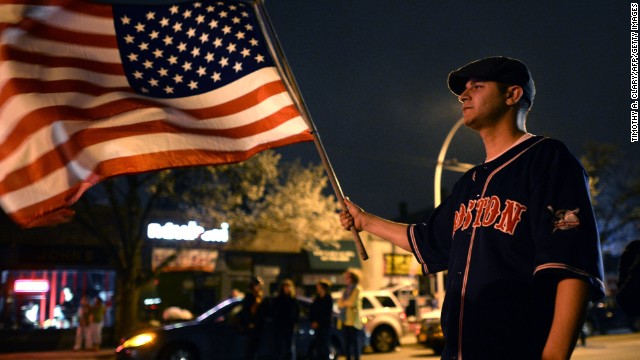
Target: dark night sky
373,74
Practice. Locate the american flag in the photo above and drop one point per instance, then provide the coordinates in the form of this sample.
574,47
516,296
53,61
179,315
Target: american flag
91,90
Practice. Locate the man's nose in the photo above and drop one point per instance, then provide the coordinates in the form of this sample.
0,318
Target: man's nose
463,96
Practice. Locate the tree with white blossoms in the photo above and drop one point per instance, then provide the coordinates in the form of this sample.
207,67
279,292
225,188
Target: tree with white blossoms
299,206
263,194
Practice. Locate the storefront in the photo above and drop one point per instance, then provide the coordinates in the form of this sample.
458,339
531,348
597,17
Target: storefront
330,261
42,285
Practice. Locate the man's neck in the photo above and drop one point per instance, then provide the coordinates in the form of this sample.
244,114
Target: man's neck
498,140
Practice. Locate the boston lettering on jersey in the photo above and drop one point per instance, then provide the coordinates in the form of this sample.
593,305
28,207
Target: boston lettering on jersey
489,211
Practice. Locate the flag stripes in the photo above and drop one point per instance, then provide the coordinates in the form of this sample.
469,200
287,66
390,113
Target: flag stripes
69,118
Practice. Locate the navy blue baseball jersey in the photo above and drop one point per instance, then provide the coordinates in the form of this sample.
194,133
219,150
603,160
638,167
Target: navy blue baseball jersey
512,228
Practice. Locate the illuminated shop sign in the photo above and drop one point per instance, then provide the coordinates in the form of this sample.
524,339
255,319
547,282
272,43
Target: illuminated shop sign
191,231
31,286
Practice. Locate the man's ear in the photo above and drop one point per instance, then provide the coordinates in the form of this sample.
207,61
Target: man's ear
514,94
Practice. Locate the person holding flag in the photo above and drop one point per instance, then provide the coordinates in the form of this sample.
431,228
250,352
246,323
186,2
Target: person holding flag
517,235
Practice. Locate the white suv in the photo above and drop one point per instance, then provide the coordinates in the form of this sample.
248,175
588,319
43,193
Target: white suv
384,319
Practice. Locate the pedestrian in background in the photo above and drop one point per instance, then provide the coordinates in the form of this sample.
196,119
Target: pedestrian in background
286,313
83,331
350,306
96,322
252,315
320,316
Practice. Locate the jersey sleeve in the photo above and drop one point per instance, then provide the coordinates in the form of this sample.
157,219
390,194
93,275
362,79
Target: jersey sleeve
431,240
563,224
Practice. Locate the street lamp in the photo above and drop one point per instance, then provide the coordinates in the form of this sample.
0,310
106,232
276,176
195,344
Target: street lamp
453,166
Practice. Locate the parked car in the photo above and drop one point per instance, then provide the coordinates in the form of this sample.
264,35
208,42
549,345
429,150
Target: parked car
430,331
430,335
216,335
605,315
384,319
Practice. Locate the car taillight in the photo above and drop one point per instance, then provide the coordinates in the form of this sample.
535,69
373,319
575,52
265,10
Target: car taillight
402,316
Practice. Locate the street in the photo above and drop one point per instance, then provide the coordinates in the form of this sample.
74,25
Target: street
622,346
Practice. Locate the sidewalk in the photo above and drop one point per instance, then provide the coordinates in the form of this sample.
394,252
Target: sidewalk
106,354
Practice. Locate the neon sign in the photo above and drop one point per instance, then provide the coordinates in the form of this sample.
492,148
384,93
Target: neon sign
191,231
31,286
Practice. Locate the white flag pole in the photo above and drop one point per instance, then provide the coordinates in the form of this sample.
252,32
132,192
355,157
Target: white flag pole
289,80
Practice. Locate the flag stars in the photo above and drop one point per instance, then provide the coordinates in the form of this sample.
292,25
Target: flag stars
140,27
185,45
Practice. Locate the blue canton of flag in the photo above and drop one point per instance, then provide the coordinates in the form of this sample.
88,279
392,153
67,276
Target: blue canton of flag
171,51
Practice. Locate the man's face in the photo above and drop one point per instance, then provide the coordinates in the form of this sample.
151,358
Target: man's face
483,103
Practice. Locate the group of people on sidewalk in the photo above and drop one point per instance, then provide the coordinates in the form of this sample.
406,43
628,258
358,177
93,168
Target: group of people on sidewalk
286,312
90,322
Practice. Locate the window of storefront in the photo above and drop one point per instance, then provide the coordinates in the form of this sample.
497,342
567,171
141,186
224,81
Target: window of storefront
43,299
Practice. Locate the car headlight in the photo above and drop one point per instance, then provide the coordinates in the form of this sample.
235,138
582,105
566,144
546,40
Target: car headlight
139,340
